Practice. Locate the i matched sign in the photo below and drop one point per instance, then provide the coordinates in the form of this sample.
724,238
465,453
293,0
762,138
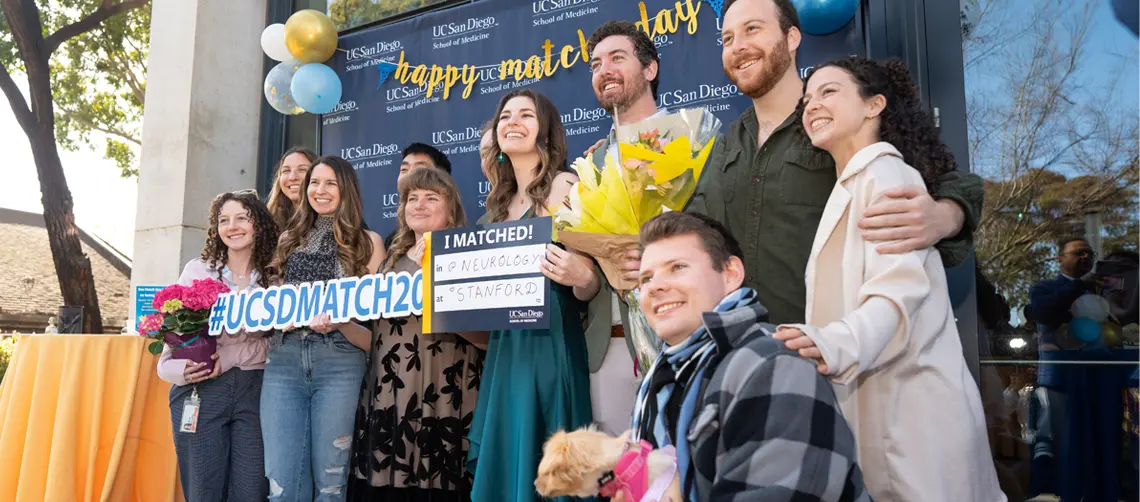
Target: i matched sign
487,277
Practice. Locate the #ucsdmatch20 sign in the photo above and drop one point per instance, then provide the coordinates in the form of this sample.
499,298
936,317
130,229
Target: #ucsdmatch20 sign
482,278
364,298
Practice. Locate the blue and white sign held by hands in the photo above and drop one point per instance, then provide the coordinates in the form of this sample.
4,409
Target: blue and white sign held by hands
361,298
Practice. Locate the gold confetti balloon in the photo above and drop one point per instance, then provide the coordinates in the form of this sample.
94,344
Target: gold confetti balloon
277,90
1110,332
310,36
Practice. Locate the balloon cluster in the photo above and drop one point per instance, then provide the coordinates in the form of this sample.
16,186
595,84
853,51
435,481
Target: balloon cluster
1091,321
301,82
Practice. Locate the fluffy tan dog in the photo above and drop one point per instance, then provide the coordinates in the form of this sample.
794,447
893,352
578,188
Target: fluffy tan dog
572,462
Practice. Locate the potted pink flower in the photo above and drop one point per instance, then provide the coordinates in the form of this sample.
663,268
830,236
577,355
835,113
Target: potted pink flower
181,320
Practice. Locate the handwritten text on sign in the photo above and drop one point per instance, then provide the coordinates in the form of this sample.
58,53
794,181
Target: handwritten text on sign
361,298
488,277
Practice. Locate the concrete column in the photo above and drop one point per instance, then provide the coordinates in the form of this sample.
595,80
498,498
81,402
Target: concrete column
200,125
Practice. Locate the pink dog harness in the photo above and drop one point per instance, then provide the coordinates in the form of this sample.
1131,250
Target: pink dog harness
630,476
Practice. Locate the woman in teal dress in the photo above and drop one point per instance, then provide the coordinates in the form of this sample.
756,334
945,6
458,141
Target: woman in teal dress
535,382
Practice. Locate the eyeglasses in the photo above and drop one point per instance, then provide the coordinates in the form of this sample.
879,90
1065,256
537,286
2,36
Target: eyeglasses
245,191
1081,253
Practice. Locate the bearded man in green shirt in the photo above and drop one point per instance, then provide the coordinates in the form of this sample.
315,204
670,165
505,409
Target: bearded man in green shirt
768,185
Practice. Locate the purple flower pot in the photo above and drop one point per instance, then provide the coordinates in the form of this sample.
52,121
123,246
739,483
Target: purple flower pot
195,347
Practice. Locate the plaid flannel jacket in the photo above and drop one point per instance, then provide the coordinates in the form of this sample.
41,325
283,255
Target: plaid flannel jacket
768,428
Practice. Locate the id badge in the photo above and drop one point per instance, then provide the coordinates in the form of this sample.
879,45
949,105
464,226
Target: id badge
190,414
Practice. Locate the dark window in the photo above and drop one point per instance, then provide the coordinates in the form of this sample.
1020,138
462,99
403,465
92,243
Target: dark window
1051,96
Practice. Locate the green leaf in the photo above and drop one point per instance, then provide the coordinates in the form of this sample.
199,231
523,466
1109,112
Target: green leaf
155,347
98,81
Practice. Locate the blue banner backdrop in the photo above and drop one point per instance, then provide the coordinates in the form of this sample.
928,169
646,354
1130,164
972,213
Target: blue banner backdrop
375,120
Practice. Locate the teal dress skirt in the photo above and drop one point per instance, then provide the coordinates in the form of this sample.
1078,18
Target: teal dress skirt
535,382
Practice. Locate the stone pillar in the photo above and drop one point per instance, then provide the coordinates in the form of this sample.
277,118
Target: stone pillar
200,126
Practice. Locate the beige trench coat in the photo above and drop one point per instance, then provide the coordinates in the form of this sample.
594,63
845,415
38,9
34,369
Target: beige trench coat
886,329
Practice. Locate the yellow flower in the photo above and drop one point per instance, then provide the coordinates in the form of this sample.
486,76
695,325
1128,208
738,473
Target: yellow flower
171,306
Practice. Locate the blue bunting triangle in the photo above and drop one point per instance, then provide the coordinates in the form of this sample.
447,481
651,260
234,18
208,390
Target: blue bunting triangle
386,69
717,5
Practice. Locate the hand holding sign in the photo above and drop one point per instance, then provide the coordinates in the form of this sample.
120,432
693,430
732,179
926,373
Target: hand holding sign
323,324
417,252
567,268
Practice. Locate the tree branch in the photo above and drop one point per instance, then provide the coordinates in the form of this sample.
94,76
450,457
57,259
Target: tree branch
89,22
110,131
16,99
137,55
132,80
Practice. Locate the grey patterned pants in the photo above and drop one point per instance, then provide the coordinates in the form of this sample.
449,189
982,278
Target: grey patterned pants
224,459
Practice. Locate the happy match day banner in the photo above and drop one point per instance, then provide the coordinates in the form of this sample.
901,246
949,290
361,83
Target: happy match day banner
438,77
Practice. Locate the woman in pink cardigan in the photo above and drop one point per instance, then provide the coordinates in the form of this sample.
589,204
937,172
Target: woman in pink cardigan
881,325
222,459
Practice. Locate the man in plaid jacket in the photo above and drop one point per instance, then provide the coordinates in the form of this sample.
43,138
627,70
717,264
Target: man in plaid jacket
750,420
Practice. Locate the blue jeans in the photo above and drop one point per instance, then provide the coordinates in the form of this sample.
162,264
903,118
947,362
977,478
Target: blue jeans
308,413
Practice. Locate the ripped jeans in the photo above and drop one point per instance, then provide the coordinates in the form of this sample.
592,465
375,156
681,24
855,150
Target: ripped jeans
308,411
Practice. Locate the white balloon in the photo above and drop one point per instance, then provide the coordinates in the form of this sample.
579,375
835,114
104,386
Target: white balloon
273,42
1091,306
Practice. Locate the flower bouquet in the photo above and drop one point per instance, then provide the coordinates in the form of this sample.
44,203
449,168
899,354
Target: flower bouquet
181,320
658,165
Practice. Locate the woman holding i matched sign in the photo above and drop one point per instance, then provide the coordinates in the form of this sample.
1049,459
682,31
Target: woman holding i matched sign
312,379
419,393
535,382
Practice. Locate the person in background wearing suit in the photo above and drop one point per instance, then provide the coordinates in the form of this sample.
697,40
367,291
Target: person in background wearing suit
1050,307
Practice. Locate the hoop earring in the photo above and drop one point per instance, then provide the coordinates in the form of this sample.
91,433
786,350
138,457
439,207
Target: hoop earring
501,159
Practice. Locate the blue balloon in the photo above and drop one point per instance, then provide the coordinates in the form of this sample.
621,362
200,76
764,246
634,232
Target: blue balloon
1084,329
821,17
316,88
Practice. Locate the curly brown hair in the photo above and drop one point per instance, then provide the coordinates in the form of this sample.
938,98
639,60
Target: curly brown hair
354,246
215,253
423,179
279,204
904,122
551,144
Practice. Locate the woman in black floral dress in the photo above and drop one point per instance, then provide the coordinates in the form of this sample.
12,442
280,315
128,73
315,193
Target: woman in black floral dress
419,394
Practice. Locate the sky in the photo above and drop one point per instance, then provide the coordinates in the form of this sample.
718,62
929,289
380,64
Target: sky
1108,71
104,202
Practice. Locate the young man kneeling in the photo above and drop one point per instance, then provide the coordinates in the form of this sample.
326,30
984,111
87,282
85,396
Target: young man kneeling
750,419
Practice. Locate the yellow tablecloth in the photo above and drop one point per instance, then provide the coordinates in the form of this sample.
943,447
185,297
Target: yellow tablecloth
85,418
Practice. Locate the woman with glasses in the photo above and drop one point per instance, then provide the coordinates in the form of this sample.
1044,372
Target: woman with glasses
222,459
